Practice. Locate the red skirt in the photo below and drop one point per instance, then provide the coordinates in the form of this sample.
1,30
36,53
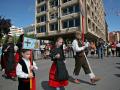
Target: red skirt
52,81
11,73
17,57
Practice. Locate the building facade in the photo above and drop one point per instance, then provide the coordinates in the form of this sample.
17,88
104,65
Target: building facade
95,19
15,31
29,29
64,17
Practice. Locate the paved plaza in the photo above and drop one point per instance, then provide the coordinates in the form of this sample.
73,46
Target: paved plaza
108,69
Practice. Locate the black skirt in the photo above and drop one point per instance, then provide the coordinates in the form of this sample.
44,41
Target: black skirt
61,71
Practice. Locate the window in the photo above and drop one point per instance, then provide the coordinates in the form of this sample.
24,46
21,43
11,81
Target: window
71,9
54,3
77,8
43,8
71,23
64,1
77,22
54,26
38,19
39,1
43,18
43,29
65,24
64,11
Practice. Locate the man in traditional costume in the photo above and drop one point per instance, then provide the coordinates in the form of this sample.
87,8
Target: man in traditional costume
81,59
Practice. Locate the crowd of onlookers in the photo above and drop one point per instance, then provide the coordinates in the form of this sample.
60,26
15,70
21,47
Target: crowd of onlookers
100,48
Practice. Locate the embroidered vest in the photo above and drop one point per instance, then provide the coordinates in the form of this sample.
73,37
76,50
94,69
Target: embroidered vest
81,53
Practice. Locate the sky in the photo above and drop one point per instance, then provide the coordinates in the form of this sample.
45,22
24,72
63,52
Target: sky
112,10
22,12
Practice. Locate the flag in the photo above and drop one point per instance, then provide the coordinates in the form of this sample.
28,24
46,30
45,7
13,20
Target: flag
29,43
82,9
33,83
32,80
83,36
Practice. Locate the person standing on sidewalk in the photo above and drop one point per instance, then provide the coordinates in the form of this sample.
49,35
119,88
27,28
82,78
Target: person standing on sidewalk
100,46
81,60
118,48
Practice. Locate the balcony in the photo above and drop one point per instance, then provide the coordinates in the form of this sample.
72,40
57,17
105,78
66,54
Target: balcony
69,16
41,24
69,3
53,21
41,13
42,3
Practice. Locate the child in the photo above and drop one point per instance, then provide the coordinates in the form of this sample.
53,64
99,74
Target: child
58,76
24,70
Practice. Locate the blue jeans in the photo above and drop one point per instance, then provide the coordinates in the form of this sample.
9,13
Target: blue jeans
100,53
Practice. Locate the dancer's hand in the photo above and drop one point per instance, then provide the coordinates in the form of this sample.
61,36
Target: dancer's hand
30,75
6,49
31,67
58,55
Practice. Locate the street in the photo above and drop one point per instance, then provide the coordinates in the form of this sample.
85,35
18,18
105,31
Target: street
107,69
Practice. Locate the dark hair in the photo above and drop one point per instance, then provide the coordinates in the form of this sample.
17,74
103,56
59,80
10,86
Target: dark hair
21,38
25,50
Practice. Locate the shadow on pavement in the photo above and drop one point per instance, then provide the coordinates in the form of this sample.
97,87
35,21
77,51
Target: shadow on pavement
118,67
118,63
71,79
117,75
45,86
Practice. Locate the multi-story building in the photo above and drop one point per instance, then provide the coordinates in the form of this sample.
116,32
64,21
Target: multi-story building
29,29
16,31
64,17
95,19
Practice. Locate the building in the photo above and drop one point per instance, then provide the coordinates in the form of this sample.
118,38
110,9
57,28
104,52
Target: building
95,19
29,29
16,31
114,36
63,17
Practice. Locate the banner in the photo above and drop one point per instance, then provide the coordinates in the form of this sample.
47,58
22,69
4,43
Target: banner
30,43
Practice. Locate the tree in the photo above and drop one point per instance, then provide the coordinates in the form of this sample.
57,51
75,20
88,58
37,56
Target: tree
5,25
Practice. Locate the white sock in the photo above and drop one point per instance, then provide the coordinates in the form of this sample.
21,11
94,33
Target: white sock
76,77
91,75
57,88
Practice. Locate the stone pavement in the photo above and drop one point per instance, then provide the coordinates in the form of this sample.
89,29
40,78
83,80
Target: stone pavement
108,69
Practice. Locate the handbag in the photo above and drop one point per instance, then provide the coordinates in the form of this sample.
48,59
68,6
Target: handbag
61,71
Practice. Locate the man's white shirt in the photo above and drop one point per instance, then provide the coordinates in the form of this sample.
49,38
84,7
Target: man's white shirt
75,46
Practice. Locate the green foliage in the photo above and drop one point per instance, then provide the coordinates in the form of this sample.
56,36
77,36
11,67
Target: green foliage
30,35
